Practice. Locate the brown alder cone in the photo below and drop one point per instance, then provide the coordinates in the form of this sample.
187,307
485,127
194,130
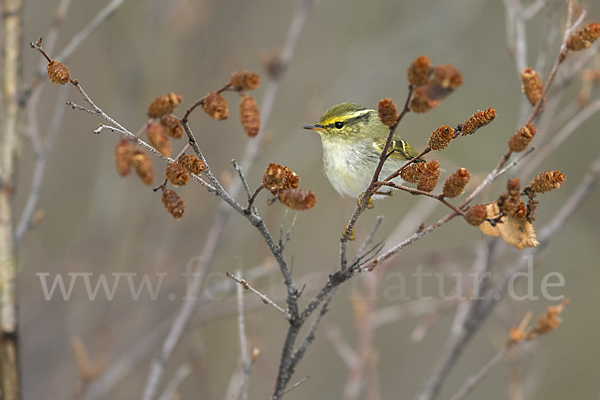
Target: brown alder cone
297,199
440,138
177,174
522,138
158,138
532,85
143,166
173,203
123,157
412,173
249,116
58,73
388,113
245,80
277,178
163,105
192,164
476,215
478,120
584,37
456,182
173,127
547,181
215,106
418,72
429,177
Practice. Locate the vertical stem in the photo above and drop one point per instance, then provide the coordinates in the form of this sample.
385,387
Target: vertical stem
9,143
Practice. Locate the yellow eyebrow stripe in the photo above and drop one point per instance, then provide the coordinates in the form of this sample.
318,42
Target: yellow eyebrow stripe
346,117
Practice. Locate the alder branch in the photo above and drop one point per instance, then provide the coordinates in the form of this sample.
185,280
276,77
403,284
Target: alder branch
265,299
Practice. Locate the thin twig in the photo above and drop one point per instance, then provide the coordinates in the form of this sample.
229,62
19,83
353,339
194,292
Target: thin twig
369,238
40,166
485,370
294,386
244,360
264,298
182,372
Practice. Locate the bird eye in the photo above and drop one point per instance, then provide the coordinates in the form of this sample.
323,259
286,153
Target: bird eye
339,125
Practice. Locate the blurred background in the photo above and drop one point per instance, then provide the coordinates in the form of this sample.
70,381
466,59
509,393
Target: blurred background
349,50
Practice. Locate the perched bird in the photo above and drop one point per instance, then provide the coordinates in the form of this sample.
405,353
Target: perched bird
353,138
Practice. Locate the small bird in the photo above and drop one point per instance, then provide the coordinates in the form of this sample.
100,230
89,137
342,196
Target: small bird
353,138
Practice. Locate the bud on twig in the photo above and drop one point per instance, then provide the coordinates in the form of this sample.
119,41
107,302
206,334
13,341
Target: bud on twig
58,73
522,138
297,199
245,80
277,178
478,120
215,106
388,113
177,174
429,177
123,157
476,215
412,173
158,138
249,115
173,203
418,72
584,37
532,85
143,166
456,182
163,105
547,181
440,138
192,164
173,127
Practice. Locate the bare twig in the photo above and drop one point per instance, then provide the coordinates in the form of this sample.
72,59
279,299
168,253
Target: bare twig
264,298
40,166
244,359
182,372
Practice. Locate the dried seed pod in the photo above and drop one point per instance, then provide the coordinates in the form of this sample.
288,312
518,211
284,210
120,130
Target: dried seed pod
177,174
456,182
418,72
412,173
547,181
58,73
447,76
215,106
163,105
532,85
245,80
440,138
297,199
173,127
192,164
388,113
478,120
429,177
476,215
123,157
421,103
522,138
584,37
158,138
516,335
550,320
509,202
173,203
143,166
249,116
277,178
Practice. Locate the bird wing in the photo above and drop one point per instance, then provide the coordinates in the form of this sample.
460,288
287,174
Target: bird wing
399,148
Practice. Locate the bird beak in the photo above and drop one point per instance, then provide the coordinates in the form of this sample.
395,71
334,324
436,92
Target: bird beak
315,127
